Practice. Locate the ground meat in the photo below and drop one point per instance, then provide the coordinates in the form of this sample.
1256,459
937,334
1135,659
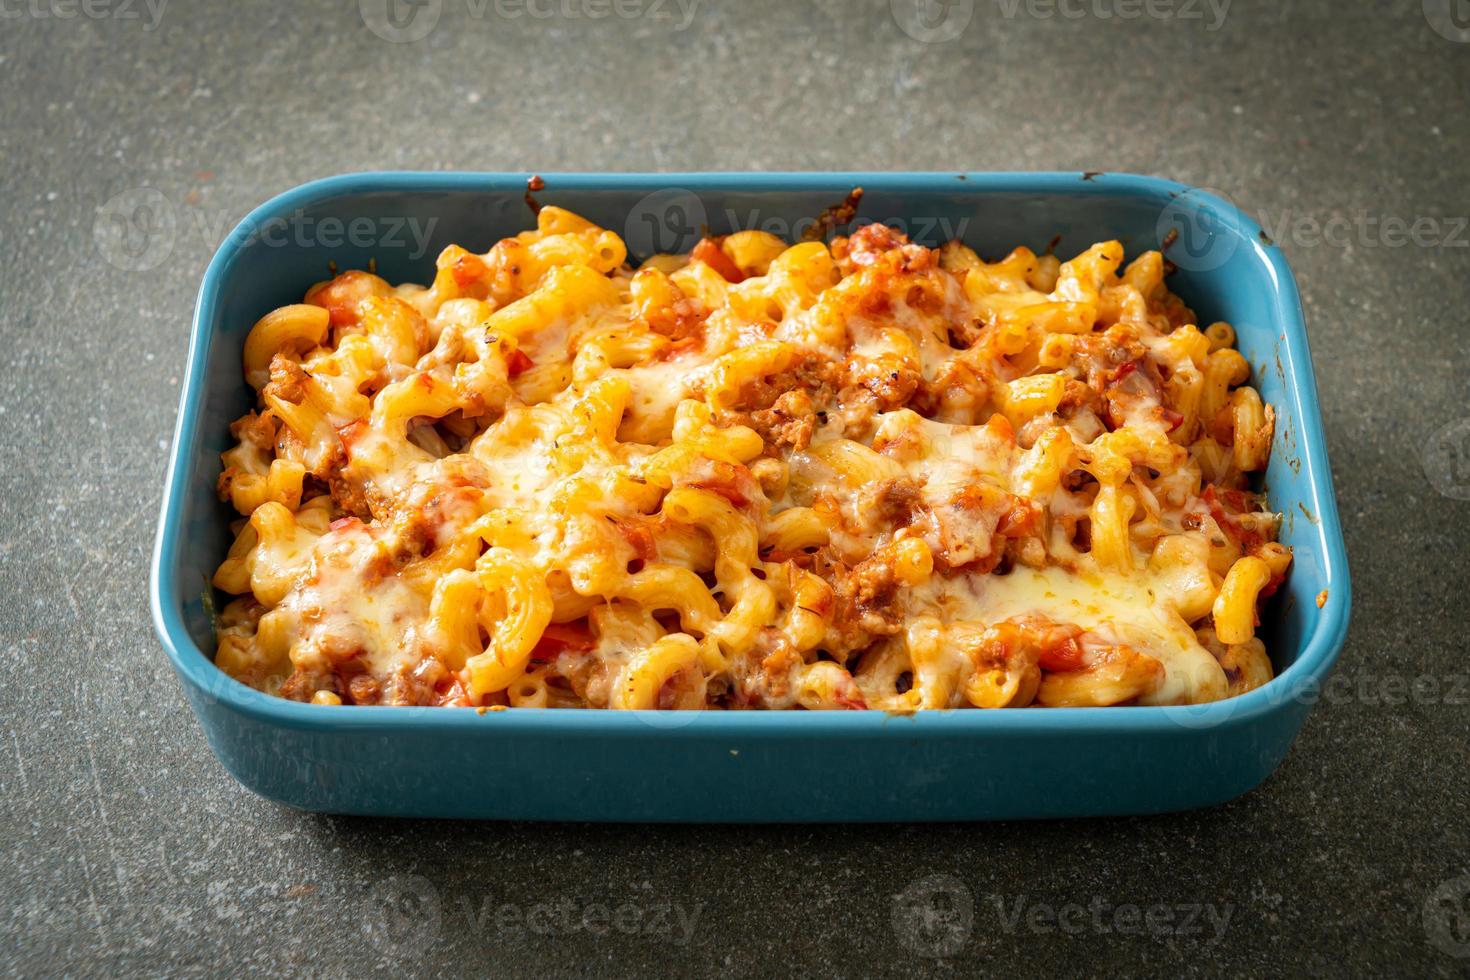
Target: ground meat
347,494
777,658
1076,395
416,685
416,527
257,430
958,393
868,597
963,335
897,502
890,381
413,534
876,243
301,685
364,689
869,241
288,380
834,217
964,531
816,376
1023,520
1103,356
790,421
1132,386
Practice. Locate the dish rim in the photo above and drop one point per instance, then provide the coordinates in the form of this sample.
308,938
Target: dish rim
1302,679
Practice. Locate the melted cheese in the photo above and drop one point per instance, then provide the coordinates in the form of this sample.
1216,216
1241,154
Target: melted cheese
1138,609
657,389
540,426
346,608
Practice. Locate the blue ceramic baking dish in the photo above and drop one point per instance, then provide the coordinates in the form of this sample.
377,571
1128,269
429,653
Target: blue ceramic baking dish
750,766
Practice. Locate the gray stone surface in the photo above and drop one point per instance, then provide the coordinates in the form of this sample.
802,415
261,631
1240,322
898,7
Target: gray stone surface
129,849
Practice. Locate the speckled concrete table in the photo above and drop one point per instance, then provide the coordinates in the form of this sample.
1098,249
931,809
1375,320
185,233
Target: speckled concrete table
129,849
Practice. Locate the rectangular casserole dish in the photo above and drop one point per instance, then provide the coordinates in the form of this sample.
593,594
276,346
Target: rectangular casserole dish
751,766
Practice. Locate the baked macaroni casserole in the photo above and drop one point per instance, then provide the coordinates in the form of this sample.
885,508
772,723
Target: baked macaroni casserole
864,474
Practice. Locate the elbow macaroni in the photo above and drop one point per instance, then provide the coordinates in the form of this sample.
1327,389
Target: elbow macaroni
863,474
